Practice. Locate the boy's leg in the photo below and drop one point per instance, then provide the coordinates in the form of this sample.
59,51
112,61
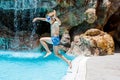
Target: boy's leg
56,50
43,41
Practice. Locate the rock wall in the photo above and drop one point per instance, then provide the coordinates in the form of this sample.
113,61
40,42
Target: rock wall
71,14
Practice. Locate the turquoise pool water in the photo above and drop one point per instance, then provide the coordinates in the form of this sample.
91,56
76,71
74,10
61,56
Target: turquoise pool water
31,66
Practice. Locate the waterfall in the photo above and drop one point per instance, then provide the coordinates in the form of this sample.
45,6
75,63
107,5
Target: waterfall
18,16
32,13
16,38
19,8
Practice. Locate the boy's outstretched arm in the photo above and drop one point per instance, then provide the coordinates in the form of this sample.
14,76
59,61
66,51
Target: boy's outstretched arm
36,19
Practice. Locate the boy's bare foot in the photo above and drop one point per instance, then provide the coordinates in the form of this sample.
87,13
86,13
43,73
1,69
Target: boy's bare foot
47,54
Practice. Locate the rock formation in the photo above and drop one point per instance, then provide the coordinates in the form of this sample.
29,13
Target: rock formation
92,42
72,14
96,39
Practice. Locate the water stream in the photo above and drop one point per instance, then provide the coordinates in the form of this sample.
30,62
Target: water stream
23,12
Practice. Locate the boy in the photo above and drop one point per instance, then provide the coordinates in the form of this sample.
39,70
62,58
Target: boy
54,39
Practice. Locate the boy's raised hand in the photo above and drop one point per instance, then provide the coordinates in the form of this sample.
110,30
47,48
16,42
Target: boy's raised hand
54,13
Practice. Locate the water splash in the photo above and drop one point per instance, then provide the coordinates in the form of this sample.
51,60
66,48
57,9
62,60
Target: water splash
25,55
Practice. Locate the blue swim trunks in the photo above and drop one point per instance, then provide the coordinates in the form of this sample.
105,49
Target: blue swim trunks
55,40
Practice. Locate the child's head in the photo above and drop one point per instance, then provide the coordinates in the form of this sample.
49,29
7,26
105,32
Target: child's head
51,14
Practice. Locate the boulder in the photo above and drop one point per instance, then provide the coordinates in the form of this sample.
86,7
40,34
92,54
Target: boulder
95,38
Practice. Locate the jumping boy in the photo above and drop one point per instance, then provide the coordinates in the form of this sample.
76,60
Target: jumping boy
54,39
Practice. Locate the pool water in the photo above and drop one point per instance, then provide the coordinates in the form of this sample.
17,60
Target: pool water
31,66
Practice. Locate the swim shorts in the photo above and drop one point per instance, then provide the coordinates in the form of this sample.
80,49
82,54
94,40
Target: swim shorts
55,40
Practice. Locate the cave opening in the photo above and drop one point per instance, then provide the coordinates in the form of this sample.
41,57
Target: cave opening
113,27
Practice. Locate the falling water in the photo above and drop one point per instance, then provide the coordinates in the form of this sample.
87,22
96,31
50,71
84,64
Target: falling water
16,38
24,5
32,13
22,13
